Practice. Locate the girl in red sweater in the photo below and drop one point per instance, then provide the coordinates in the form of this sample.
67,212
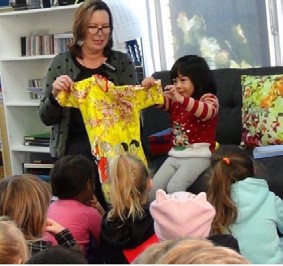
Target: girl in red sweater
193,106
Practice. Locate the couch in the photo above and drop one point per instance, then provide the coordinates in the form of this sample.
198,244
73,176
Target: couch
229,129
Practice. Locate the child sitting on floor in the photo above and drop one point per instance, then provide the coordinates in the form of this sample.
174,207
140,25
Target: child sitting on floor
245,207
183,214
72,181
128,227
25,199
13,246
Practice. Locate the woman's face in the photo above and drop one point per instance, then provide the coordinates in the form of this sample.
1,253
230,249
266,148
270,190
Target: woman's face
184,85
98,31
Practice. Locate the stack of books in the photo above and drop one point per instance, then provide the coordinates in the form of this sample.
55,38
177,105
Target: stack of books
41,139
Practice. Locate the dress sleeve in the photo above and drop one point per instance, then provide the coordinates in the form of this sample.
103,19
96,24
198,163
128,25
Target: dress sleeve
77,94
146,97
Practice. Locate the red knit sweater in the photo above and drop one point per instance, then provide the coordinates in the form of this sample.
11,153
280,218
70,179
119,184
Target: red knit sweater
194,121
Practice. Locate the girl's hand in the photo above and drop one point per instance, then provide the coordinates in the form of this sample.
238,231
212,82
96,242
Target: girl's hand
53,227
95,204
148,82
172,93
63,82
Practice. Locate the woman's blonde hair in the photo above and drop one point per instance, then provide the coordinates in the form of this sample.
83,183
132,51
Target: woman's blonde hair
25,199
128,177
13,246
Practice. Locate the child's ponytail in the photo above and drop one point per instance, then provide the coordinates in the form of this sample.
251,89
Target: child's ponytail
219,195
229,165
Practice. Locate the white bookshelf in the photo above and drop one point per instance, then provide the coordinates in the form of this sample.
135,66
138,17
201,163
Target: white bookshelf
21,112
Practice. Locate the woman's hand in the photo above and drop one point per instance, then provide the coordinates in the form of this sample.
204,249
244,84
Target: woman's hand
171,92
148,82
63,82
53,227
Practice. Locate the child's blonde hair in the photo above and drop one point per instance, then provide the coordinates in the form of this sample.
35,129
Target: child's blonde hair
155,251
13,247
25,199
128,177
189,251
200,251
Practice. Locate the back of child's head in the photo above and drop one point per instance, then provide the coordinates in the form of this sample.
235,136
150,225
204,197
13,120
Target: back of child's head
70,176
200,251
13,246
153,252
181,214
229,164
25,199
129,181
58,255
197,69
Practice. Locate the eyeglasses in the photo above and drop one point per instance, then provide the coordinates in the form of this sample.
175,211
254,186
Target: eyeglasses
93,30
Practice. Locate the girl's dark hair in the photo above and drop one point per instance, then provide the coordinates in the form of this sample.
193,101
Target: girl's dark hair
80,25
70,175
229,164
196,68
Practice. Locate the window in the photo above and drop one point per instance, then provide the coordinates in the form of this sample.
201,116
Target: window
228,33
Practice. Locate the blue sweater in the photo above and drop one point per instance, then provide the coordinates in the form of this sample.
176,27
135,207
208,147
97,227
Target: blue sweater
260,213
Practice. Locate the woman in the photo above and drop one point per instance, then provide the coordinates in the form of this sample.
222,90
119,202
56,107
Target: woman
90,53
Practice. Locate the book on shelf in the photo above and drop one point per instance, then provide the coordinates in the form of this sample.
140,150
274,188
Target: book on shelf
38,136
40,168
40,43
64,35
37,143
38,165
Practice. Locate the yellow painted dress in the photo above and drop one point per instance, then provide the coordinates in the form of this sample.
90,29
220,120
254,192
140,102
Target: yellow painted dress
111,115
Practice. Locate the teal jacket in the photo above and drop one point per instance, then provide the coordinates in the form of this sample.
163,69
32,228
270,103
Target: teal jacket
260,213
52,114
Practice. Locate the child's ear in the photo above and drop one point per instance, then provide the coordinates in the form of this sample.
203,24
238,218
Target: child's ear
89,185
149,185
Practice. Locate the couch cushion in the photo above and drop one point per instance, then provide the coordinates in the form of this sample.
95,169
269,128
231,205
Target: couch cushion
229,93
229,126
262,111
